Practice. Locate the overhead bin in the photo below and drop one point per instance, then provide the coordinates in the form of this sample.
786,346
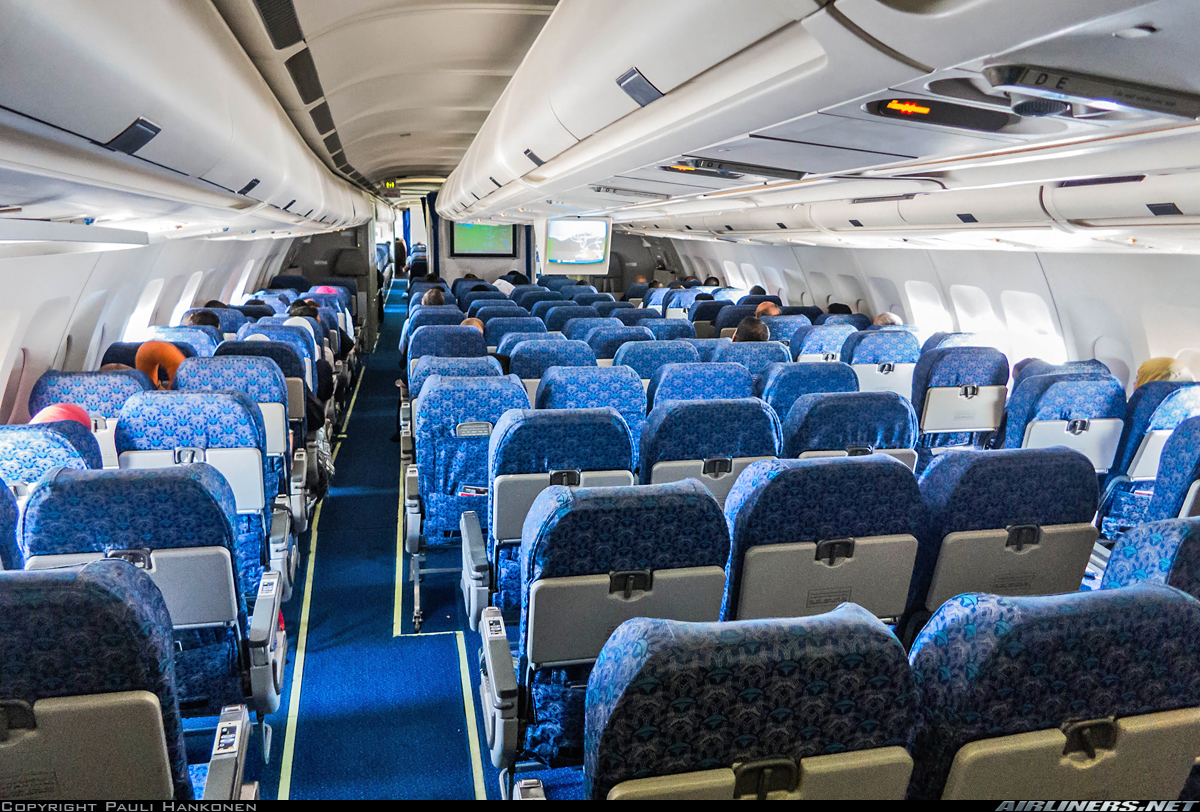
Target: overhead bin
944,33
1152,200
766,218
1015,206
843,215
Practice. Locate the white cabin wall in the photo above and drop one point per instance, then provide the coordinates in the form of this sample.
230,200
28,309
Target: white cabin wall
87,297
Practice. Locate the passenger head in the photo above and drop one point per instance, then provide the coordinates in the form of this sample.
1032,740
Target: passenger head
704,297
433,296
304,307
1162,369
159,360
640,278
215,303
519,279
758,290
751,329
675,286
838,309
476,323
470,276
712,281
691,279
656,284
115,367
63,411
767,309
253,302
201,318
886,318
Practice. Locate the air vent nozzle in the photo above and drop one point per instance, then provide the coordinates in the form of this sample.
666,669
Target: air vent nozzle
1163,209
1036,107
279,17
638,87
322,118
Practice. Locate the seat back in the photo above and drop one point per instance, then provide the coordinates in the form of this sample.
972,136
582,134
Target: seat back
810,534
285,357
556,282
429,365
636,290
525,333
100,394
605,307
178,524
530,450
1176,490
530,359
28,452
586,551
1029,367
711,441
754,300
1139,411
707,347
586,387
1065,696
860,321
699,381
224,429
781,384
834,732
820,342
230,319
445,341
577,329
465,300
88,659
1085,412
883,360
840,424
606,339
782,328
670,329
260,379
756,356
728,318
592,299
942,339
520,290
1174,409
494,330
12,556
634,316
296,337
489,309
453,421
202,340
557,317
529,299
541,309
960,389
644,357
706,311
577,290
1163,552
1015,522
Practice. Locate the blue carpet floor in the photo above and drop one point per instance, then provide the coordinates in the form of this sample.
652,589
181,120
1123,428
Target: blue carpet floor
379,717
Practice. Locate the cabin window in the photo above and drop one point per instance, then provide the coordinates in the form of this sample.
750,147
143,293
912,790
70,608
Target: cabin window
928,313
139,319
1031,330
239,295
733,277
188,297
774,284
1172,330
976,315
750,276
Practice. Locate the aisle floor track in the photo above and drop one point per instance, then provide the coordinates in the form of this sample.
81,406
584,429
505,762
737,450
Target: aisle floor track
371,714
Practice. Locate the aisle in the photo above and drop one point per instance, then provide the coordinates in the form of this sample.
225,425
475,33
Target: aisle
372,715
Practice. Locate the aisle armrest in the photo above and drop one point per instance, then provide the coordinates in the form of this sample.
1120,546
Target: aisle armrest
498,689
412,511
227,766
476,583
268,645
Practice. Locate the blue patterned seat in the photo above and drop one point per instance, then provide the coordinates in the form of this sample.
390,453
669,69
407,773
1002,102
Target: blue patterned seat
477,367
542,308
99,629
940,340
606,308
632,317
496,329
592,299
510,340
592,387
98,393
578,290
636,290
1162,552
699,381
606,339
782,328
728,318
464,301
11,555
706,310
428,315
820,343
781,384
445,341
860,321
297,337
557,317
1082,411
1051,489
956,416
787,519
570,533
754,300
669,329
556,282
225,429
644,357
1171,494
531,298
103,513
489,309
520,290
230,319
756,356
578,329
707,347
315,329
881,347
712,441
531,359
822,423
1029,367
452,469
992,666
290,364
203,340
525,447
668,698
463,285
654,298
28,452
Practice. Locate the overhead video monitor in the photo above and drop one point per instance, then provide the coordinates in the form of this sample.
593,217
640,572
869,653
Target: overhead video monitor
470,240
580,244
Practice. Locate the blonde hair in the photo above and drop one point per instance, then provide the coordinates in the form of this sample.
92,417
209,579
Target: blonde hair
1162,369
767,309
476,323
887,318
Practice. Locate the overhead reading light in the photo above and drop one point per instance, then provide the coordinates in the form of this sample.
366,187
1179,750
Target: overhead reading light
703,173
1094,91
745,169
613,190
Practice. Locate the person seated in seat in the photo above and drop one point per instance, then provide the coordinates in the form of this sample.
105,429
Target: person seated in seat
159,360
1162,369
767,309
712,282
757,290
751,328
886,319
216,303
640,278
676,286
704,297
655,284
839,309
476,323
433,296
201,318
62,411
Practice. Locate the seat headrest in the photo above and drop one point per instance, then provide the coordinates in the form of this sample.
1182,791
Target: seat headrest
473,367
782,328
644,357
283,354
260,378
530,441
531,359
606,339
447,402
783,383
881,347
155,421
28,452
97,393
756,356
704,429
705,380
460,340
839,420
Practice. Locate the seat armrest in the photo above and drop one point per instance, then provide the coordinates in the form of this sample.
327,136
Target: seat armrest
498,690
227,765
268,644
299,470
412,511
474,547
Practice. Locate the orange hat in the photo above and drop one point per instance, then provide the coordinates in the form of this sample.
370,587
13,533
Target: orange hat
154,356
63,411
